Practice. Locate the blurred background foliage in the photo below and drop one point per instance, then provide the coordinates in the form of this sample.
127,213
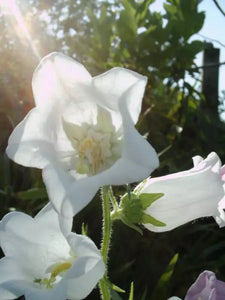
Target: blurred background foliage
101,35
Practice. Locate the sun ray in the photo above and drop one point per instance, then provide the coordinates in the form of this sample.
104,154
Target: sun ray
12,7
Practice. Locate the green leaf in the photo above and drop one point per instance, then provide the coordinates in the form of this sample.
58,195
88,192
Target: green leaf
194,48
161,290
34,193
114,295
112,285
144,297
149,219
126,25
148,198
143,11
84,229
131,296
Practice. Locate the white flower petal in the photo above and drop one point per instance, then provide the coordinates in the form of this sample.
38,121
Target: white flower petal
197,160
58,292
13,227
20,232
186,197
87,269
30,144
19,287
136,148
116,82
56,79
49,218
83,246
10,271
80,285
62,188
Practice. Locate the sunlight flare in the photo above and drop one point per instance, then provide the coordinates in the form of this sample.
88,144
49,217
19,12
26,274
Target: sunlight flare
11,7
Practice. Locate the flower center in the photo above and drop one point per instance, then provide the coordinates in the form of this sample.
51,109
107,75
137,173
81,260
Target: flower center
58,270
96,146
92,152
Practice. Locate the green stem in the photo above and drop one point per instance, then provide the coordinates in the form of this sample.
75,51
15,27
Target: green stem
107,227
113,199
104,290
106,224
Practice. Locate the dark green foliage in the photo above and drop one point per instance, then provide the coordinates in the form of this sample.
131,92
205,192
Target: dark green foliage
101,35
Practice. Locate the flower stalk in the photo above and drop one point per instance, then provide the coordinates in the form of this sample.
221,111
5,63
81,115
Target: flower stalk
106,235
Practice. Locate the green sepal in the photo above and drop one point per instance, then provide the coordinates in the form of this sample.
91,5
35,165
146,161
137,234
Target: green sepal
131,225
147,199
112,285
139,187
149,219
131,208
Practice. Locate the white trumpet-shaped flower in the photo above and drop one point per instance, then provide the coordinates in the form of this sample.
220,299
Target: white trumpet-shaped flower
188,195
81,132
41,263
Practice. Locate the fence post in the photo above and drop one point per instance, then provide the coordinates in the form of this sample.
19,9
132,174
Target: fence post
210,79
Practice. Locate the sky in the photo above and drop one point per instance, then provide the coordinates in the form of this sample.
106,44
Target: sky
213,28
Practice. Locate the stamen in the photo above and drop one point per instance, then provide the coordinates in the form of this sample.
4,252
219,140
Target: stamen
59,268
90,149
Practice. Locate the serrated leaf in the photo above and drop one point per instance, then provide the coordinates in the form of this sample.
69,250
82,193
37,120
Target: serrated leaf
147,199
149,219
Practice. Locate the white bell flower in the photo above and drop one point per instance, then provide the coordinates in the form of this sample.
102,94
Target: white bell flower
188,195
81,132
41,263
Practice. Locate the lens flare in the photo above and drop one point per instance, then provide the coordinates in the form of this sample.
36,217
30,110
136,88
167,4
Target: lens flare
11,7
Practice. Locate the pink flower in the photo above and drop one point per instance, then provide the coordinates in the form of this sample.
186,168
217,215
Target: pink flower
206,287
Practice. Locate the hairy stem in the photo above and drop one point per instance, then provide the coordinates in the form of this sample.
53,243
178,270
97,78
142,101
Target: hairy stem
107,228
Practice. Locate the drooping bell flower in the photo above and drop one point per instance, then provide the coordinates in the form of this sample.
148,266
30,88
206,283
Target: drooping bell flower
81,132
42,263
185,196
